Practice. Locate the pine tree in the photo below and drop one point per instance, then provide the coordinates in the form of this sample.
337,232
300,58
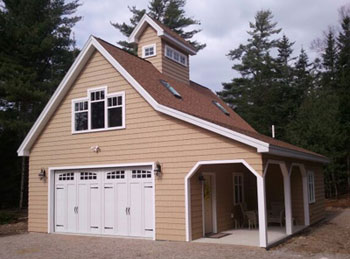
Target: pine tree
35,53
343,67
285,92
252,94
329,60
169,12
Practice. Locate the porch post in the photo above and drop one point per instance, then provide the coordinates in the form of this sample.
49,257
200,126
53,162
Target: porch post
262,211
287,199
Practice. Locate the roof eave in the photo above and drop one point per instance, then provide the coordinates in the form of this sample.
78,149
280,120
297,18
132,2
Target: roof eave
286,152
189,50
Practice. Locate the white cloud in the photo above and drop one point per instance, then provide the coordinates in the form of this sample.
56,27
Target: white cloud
224,26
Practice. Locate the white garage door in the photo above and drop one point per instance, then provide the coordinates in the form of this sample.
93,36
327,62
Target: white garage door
115,201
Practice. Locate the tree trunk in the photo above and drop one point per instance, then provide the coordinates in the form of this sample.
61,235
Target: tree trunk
23,177
348,171
335,186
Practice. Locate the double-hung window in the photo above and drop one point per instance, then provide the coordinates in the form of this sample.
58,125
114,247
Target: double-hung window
311,186
99,111
238,188
81,115
97,104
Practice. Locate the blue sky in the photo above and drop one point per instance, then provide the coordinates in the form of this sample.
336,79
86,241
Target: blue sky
224,26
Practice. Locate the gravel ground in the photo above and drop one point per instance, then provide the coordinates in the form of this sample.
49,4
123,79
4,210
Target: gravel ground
329,240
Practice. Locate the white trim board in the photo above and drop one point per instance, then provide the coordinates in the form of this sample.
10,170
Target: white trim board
287,192
92,45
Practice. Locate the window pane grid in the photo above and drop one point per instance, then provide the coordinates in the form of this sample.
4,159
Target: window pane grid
141,174
94,113
116,175
66,177
175,55
238,188
88,176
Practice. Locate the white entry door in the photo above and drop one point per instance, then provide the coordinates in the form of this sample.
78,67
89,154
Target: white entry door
111,201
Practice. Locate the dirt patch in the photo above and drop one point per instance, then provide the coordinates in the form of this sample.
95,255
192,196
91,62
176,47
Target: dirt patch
13,222
13,229
331,236
342,202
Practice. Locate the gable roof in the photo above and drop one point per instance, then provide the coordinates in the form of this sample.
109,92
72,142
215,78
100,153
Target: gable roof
194,107
163,32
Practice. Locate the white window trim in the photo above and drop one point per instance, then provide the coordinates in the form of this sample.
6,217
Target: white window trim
180,55
107,95
149,46
311,181
234,185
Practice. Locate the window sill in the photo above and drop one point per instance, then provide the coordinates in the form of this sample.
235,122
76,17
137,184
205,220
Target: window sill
97,130
150,56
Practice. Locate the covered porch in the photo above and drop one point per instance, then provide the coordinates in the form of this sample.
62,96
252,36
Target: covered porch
228,202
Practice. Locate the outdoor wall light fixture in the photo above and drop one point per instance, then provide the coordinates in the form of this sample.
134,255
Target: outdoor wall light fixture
42,174
157,170
95,149
201,178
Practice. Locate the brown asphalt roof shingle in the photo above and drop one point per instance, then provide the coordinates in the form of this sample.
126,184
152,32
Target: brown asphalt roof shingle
196,99
174,34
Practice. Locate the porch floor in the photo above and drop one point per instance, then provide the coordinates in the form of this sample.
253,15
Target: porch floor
249,237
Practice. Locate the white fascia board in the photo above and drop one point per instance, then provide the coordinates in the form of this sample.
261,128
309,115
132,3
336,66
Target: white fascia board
133,38
56,98
278,151
180,44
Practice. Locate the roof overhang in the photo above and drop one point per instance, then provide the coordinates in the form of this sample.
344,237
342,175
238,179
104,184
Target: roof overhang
91,45
285,152
142,25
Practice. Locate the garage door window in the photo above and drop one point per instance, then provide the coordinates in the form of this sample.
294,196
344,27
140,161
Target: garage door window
66,177
116,175
99,111
88,176
141,174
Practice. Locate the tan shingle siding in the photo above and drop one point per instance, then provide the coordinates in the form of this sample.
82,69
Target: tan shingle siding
149,136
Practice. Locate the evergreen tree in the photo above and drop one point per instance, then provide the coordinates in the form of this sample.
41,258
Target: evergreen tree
285,92
316,127
253,94
169,12
343,67
36,50
303,79
329,60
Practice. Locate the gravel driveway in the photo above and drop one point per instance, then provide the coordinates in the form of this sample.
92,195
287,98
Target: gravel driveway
313,244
